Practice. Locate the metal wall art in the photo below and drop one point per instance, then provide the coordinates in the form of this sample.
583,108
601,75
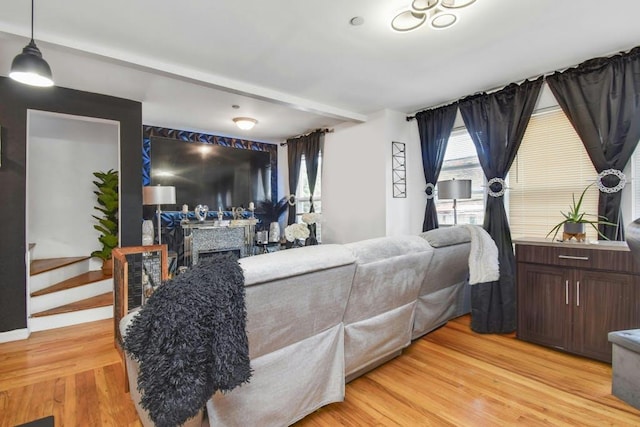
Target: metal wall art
399,169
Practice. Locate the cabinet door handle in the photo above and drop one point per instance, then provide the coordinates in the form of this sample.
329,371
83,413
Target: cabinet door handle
580,258
578,293
566,292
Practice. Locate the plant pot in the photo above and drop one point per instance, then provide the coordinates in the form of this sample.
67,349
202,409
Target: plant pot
574,227
107,267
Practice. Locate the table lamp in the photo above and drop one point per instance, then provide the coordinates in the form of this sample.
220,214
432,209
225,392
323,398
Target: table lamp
158,195
454,189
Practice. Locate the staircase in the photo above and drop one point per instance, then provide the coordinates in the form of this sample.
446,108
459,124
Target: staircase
64,292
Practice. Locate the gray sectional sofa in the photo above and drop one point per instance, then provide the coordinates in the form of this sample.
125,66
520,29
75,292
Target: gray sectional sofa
319,316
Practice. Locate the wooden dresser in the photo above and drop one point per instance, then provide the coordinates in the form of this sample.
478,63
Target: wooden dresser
570,295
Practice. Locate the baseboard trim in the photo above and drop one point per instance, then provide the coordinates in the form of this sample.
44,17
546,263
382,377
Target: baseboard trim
15,335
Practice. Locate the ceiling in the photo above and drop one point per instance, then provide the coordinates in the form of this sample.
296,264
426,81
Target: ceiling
296,65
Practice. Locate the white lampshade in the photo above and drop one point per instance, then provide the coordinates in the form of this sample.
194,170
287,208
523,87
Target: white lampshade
454,189
158,195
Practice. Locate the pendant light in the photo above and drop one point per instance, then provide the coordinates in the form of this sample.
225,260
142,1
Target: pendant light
29,67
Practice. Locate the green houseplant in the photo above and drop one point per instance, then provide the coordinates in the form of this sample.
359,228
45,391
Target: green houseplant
107,199
575,219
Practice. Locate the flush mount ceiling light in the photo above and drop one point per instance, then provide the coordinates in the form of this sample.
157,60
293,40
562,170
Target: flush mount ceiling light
29,67
245,123
440,14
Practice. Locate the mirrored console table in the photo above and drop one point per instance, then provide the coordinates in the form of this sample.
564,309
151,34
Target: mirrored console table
203,238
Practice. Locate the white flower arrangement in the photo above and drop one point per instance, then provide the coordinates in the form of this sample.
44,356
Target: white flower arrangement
311,218
296,231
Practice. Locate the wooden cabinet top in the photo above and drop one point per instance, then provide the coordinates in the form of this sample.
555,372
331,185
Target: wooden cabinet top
605,255
607,245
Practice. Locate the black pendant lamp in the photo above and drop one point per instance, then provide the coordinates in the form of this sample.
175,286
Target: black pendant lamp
29,67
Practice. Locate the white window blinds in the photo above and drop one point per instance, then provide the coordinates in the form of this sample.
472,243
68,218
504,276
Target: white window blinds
551,164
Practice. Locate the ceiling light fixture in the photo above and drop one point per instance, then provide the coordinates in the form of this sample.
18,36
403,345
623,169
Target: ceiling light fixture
440,14
245,123
29,67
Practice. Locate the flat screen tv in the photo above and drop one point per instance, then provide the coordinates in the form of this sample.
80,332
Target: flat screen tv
208,174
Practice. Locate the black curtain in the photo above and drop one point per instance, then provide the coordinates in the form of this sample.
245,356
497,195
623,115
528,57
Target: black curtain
496,123
434,127
601,98
308,146
294,158
311,149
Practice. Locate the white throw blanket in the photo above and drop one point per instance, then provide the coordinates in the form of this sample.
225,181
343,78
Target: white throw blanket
483,256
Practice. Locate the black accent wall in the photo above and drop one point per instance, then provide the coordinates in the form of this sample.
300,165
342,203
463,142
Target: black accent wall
15,100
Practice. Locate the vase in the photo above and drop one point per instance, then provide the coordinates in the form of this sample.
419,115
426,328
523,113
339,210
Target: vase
311,240
147,232
201,212
274,232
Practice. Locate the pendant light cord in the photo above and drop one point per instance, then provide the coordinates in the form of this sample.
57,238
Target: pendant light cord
32,20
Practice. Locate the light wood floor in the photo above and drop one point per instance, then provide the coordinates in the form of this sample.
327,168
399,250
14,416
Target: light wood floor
451,377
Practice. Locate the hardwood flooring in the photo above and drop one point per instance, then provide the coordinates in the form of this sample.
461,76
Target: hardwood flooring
72,373
451,377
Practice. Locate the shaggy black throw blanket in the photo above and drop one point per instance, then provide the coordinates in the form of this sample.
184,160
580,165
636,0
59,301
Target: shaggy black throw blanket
190,340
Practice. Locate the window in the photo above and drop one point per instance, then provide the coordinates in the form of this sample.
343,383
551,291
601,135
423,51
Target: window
461,162
303,199
551,164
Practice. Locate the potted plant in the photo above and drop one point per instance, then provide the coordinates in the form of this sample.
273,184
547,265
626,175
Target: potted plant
107,198
574,220
269,214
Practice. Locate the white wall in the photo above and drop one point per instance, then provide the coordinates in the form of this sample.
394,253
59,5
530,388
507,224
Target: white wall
405,216
63,153
357,192
354,181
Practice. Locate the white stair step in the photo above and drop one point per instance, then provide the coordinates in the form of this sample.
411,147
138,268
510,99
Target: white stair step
67,319
44,280
63,297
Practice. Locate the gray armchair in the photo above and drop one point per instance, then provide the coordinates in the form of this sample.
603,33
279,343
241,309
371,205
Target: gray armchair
632,235
625,383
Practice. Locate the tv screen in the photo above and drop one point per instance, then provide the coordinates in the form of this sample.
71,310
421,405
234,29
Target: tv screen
208,174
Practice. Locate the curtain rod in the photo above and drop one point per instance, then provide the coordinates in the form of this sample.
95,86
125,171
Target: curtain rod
543,75
325,130
487,91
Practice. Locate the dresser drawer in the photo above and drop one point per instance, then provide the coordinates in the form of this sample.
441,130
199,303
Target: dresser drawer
588,256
